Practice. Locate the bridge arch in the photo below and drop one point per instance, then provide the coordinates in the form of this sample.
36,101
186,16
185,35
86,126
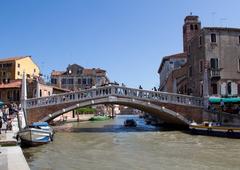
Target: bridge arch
168,116
171,108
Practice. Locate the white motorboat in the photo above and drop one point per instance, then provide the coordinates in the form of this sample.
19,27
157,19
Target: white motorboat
36,134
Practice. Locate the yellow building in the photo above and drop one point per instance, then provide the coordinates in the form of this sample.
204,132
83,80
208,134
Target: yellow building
12,68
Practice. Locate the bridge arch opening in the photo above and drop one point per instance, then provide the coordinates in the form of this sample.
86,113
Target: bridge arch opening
166,115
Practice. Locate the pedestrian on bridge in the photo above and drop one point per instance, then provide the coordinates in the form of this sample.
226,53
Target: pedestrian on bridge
1,124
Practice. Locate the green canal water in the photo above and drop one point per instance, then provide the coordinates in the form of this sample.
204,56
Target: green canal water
107,145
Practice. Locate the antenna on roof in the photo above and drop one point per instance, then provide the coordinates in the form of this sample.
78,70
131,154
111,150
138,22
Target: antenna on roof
223,21
213,18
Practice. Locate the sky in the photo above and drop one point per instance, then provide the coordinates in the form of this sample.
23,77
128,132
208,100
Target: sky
127,38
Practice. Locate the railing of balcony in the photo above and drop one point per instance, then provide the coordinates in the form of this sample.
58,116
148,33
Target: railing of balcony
215,73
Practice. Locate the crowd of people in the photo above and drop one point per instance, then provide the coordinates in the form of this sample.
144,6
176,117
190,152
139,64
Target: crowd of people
7,114
224,107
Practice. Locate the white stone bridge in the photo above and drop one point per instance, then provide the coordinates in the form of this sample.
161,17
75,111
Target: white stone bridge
171,108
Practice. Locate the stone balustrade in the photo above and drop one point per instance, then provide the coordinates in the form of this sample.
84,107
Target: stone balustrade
106,91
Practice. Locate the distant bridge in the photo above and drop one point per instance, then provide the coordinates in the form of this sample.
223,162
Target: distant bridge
171,108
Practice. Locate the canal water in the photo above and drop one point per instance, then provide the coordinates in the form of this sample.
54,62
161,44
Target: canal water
107,145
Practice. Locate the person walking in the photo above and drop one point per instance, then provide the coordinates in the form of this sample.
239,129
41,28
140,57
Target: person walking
1,124
222,104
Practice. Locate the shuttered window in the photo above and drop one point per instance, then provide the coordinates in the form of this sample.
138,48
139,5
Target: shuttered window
223,89
234,87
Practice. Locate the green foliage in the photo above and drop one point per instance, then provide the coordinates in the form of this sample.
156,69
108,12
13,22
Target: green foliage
85,110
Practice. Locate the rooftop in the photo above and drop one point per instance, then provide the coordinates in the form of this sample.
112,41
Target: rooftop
221,29
13,58
12,84
174,56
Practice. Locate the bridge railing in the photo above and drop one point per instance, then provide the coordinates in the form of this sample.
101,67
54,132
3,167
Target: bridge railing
106,91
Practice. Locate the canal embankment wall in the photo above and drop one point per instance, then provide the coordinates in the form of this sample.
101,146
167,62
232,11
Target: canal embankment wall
11,154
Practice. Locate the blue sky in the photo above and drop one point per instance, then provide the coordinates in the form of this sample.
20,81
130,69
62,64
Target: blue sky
127,38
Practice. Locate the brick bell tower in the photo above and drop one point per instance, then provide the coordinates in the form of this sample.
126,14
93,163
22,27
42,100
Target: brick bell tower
191,27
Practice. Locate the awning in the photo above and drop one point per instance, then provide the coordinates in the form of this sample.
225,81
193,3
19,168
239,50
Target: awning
225,100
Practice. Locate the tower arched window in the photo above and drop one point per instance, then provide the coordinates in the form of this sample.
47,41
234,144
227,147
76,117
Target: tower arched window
196,27
191,27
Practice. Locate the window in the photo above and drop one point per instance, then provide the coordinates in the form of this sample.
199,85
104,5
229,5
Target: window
191,27
200,66
229,88
239,39
214,63
18,65
200,41
9,95
79,81
90,81
34,70
63,81
238,89
190,71
201,88
53,81
196,27
18,73
84,81
70,81
7,65
4,73
213,38
214,88
238,64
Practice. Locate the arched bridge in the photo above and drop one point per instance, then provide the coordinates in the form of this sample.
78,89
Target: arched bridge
171,108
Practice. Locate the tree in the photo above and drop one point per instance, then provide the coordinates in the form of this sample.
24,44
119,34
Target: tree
84,110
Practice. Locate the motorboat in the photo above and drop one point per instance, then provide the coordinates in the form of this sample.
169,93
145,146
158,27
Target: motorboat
99,118
36,134
43,126
214,129
130,123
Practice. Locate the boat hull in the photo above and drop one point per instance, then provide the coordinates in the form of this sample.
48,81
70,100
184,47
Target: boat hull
220,131
34,137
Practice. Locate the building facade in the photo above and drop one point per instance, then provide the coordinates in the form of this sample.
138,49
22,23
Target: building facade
214,62
12,68
167,66
76,78
11,92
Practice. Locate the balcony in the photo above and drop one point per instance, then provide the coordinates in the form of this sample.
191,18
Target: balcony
215,74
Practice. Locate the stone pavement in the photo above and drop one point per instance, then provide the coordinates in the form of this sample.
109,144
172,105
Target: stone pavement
11,155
